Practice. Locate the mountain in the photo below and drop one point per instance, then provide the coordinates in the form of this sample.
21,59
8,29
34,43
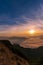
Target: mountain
34,56
29,51
17,55
8,55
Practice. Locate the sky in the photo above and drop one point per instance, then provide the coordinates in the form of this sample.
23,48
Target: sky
17,17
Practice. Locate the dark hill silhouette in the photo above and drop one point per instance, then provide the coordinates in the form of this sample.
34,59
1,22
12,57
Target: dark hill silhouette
29,52
34,56
18,55
8,55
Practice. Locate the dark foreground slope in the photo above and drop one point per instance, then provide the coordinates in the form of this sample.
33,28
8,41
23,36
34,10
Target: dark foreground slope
34,56
16,55
9,56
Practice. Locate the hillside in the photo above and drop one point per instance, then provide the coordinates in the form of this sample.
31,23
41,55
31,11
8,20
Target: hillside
34,56
8,56
17,55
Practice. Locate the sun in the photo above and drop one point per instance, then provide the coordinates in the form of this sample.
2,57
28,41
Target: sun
31,31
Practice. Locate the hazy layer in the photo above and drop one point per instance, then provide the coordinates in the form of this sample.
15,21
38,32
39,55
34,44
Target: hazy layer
31,42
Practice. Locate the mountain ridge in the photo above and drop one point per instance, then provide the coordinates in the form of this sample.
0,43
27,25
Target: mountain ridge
8,56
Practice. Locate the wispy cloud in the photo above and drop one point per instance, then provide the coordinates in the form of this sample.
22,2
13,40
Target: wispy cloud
21,24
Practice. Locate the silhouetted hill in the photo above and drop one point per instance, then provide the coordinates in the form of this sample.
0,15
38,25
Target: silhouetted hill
29,51
34,56
18,55
8,56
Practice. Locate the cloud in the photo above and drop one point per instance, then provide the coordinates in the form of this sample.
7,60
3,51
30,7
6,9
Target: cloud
21,28
32,43
22,24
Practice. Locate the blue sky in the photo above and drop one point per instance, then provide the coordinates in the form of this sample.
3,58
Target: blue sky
20,14
10,9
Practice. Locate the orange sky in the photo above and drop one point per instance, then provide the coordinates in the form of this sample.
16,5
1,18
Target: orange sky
22,33
22,29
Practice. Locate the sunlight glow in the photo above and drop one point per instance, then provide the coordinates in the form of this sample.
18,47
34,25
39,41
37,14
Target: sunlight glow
31,31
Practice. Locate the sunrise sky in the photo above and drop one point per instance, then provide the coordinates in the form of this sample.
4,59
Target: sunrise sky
18,17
